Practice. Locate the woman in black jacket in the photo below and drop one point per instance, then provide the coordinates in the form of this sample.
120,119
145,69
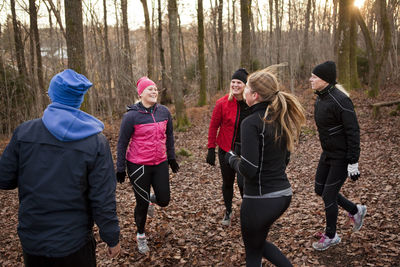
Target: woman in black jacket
339,135
268,135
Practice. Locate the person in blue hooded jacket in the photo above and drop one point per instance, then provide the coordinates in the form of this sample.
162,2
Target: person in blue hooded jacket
63,169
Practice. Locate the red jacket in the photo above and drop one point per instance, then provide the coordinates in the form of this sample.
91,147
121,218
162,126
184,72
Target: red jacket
225,117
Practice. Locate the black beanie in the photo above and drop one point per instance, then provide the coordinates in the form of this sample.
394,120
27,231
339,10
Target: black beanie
240,74
326,71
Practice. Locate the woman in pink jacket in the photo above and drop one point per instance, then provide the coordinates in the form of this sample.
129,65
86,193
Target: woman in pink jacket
146,148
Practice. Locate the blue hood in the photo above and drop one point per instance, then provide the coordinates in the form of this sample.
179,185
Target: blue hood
70,124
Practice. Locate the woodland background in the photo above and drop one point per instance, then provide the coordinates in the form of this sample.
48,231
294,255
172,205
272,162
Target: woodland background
192,64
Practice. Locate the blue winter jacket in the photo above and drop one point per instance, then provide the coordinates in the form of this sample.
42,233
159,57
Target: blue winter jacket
64,186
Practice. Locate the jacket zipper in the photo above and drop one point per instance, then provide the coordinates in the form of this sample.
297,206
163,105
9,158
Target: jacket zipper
236,124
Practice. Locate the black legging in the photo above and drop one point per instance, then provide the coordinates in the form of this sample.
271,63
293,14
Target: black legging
142,177
256,217
228,179
331,174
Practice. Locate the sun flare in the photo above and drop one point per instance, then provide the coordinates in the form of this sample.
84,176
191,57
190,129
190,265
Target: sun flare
359,3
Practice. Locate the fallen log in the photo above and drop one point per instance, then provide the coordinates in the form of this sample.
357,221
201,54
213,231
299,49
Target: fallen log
377,106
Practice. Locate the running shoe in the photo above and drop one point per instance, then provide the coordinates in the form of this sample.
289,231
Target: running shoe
227,218
142,245
358,218
326,242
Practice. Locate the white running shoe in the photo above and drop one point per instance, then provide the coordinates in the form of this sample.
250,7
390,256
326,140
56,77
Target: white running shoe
358,218
325,242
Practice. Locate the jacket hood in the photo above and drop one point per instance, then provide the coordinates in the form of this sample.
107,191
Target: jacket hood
70,124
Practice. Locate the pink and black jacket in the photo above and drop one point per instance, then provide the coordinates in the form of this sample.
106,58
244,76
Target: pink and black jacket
146,136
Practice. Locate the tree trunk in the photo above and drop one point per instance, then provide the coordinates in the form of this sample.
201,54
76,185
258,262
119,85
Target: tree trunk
165,97
305,55
245,56
271,16
149,40
19,46
200,47
75,40
220,52
278,32
127,48
344,43
107,63
58,17
354,80
177,83
39,66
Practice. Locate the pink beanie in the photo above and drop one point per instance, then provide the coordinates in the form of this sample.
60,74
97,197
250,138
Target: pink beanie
143,83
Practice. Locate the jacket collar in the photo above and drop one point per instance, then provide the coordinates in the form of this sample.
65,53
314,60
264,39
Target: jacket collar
325,91
260,106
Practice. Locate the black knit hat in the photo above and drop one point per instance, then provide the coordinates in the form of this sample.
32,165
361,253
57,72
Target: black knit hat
240,74
326,71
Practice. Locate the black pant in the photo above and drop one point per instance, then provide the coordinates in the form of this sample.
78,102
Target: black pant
256,217
331,174
142,177
84,257
228,179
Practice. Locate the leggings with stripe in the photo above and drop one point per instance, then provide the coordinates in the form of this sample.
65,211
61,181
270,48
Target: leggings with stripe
256,217
331,174
141,178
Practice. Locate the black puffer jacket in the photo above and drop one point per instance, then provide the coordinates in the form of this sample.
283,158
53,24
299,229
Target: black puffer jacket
337,124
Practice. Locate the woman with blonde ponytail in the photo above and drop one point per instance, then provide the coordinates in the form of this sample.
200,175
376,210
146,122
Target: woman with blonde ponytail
268,135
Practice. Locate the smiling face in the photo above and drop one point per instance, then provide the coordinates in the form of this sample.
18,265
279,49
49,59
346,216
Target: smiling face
237,88
317,83
149,96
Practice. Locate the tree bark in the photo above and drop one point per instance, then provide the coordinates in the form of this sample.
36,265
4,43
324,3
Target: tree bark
200,47
19,46
165,97
149,40
37,54
177,83
127,48
107,62
220,52
245,56
344,43
354,80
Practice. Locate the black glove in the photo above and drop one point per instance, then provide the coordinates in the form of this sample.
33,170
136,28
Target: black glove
121,177
211,156
228,156
174,165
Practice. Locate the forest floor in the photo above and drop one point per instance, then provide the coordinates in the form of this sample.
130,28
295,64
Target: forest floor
188,232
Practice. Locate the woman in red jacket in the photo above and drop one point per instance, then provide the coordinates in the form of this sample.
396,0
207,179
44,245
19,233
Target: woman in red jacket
228,113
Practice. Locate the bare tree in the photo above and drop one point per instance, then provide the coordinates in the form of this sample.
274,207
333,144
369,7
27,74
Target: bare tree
19,47
220,53
165,97
200,47
344,42
107,61
127,48
149,40
245,56
177,82
34,32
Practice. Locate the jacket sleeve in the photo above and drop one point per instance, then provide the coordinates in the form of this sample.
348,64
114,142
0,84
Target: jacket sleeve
102,185
125,134
351,129
9,164
170,138
215,123
248,163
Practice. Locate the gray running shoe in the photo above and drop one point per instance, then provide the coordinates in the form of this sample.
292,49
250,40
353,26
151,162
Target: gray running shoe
227,218
358,218
142,245
325,242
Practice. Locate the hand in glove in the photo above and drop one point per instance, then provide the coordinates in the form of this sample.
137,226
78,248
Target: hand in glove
174,165
228,156
121,177
211,156
352,170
